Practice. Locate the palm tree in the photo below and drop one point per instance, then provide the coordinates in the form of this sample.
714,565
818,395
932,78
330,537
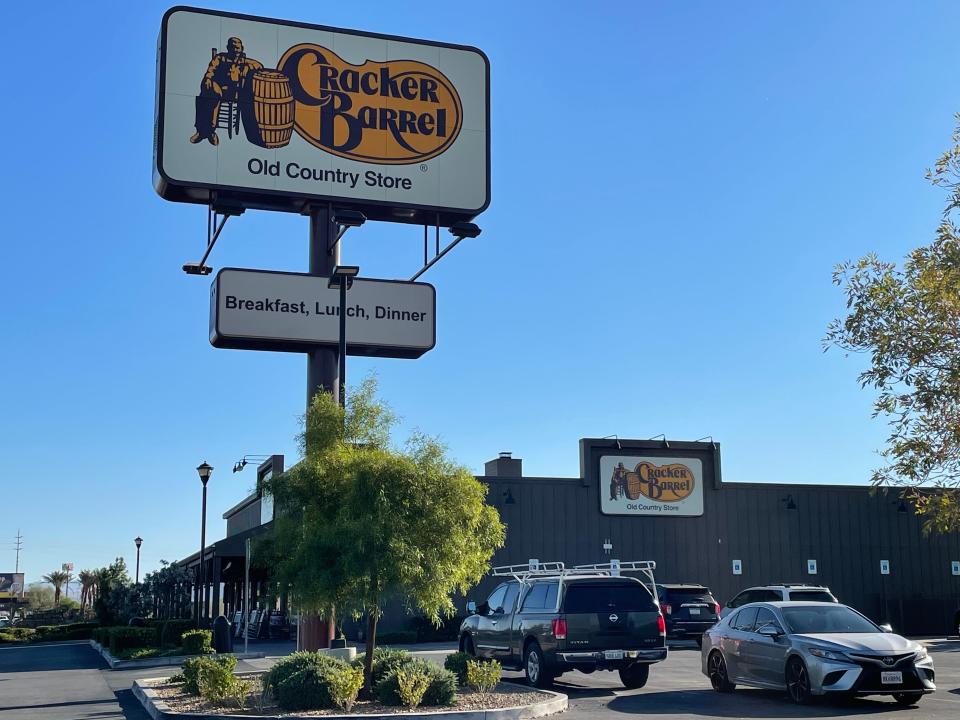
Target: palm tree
57,578
87,579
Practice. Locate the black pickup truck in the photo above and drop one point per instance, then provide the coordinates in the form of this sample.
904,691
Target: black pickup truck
547,622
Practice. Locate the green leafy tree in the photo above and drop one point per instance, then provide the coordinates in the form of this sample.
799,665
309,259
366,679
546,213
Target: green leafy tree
112,603
359,521
907,320
57,578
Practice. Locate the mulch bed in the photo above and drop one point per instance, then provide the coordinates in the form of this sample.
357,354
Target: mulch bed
504,696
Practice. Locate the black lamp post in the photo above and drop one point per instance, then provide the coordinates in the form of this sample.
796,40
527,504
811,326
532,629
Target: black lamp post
203,470
342,279
138,541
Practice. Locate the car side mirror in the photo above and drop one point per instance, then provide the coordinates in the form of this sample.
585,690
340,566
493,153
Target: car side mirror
770,631
886,627
498,611
471,608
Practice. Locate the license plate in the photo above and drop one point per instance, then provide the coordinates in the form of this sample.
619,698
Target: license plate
694,611
613,654
891,678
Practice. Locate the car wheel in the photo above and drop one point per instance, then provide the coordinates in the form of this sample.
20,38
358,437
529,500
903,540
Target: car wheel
635,675
717,671
468,646
908,698
534,666
798,682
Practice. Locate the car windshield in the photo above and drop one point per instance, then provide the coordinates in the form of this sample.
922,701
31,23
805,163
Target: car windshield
688,592
812,596
826,619
591,598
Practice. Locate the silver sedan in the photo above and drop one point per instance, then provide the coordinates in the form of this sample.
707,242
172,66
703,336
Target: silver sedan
814,649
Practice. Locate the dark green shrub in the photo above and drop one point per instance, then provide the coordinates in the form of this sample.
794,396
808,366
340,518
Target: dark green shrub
457,664
442,689
385,660
172,630
197,642
306,689
71,631
400,637
124,638
206,670
294,663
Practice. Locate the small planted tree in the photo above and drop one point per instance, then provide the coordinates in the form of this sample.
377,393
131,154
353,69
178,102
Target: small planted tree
359,521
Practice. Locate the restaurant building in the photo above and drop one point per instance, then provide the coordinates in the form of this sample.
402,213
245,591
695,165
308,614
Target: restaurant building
666,501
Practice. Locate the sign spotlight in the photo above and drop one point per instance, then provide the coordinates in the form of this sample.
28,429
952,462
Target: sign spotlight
465,230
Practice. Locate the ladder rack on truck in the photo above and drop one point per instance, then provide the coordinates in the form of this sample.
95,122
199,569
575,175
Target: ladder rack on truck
536,570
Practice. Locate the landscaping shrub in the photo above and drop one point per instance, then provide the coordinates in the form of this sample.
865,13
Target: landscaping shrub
294,663
101,635
483,676
441,689
124,638
457,664
137,653
172,630
239,691
197,642
16,634
385,660
412,683
206,671
71,631
306,689
343,685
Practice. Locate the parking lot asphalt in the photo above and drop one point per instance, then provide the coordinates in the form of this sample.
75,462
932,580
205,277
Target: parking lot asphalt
69,681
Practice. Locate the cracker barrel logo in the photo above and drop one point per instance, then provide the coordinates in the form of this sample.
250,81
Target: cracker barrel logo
662,483
394,112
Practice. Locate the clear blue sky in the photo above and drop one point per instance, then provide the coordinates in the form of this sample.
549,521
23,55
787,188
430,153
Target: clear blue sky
672,185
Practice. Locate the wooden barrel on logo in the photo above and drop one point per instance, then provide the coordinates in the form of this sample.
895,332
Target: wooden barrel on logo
633,485
268,110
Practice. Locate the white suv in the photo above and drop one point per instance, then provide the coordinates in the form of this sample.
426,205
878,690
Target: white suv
777,593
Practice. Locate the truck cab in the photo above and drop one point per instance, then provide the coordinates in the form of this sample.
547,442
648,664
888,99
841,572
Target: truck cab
547,620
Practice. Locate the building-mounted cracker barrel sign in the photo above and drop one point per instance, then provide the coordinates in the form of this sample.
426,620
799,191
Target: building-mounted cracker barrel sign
651,486
271,114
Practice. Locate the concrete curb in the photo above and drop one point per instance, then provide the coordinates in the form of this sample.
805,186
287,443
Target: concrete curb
174,660
159,710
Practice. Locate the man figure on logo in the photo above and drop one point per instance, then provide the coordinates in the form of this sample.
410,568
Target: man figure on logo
225,76
617,481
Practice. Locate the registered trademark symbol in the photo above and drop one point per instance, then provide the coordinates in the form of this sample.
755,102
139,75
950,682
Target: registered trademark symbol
423,167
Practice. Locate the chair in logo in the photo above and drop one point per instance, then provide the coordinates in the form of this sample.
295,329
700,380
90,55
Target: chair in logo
228,113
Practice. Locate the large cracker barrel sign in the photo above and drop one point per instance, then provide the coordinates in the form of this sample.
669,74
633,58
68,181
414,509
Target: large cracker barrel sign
278,115
651,486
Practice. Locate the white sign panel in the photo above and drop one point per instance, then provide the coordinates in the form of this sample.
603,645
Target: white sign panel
270,113
737,567
263,310
811,567
884,567
654,485
955,567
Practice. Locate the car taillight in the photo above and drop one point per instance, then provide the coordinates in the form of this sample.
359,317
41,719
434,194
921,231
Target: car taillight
661,625
668,609
559,626
716,608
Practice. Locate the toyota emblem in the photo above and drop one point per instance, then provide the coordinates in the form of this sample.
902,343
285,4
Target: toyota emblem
614,618
889,660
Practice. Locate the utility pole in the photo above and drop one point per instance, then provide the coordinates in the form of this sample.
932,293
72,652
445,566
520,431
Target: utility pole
19,546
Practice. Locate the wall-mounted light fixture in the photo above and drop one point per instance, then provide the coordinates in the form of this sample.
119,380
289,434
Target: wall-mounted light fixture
788,500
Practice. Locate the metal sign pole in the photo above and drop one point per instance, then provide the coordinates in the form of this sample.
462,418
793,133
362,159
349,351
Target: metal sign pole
245,619
322,370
